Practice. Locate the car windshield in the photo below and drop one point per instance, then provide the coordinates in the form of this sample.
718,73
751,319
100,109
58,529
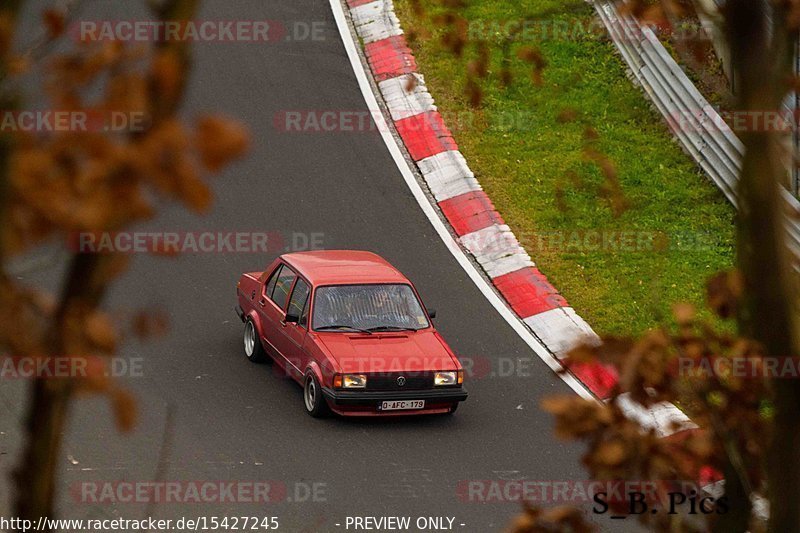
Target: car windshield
368,308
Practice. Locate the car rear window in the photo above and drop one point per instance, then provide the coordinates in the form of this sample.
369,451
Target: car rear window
271,283
282,287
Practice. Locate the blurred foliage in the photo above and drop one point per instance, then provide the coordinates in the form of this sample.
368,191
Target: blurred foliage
58,183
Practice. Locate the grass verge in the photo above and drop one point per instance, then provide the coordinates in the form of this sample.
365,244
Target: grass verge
532,162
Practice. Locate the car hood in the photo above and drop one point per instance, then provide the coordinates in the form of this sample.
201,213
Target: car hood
388,352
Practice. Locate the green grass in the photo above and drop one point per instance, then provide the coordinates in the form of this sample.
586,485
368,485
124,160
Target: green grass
524,166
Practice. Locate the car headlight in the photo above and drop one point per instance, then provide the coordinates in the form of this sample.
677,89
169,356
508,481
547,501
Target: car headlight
442,379
354,381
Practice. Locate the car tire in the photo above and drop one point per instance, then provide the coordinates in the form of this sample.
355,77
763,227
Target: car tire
313,399
252,344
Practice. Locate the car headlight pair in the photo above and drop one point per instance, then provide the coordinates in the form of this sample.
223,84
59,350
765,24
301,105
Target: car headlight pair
443,379
359,381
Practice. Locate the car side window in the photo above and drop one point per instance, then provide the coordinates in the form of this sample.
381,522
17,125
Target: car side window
270,286
298,300
282,287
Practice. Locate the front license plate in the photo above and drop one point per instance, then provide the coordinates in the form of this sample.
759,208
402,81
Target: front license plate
395,405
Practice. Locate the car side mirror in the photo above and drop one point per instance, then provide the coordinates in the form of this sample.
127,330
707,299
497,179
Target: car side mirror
432,313
292,318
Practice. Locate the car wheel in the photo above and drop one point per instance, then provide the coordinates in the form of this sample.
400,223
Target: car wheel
313,399
252,345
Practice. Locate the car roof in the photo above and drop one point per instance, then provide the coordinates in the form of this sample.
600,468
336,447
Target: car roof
343,267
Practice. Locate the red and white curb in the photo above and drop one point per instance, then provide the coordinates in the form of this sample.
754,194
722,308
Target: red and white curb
479,228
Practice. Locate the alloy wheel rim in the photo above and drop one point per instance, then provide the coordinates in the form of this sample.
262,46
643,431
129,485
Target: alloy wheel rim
311,394
249,339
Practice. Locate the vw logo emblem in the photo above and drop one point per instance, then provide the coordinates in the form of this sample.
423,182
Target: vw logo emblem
401,381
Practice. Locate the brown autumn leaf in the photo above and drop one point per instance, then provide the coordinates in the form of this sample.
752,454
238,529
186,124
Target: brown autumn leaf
568,114
480,67
162,155
576,417
534,56
561,202
684,313
529,54
111,267
127,92
723,292
525,522
151,323
540,520
219,141
417,8
583,353
54,22
193,192
610,453
167,74
474,92
124,408
611,189
100,331
454,37
18,65
411,83
71,72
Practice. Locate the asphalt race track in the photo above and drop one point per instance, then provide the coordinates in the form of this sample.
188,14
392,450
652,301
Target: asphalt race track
209,414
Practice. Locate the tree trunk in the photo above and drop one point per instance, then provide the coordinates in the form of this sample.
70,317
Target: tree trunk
47,412
766,314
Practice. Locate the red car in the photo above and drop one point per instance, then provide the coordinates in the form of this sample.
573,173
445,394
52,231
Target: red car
351,329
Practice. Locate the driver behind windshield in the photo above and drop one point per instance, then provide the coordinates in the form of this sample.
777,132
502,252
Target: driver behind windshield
368,307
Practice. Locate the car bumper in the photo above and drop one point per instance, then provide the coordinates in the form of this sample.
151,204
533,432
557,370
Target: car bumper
372,399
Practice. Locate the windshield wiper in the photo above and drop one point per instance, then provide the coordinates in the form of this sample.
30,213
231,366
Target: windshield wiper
338,326
390,328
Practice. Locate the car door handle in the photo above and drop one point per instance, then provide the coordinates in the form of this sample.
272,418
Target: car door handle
262,302
283,323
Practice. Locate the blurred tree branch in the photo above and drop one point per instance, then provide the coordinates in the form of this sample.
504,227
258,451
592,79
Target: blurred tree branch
57,184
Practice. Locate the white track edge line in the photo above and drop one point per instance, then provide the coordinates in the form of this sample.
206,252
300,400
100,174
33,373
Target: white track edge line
402,164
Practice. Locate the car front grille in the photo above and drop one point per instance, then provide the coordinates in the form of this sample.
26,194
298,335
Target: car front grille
389,381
